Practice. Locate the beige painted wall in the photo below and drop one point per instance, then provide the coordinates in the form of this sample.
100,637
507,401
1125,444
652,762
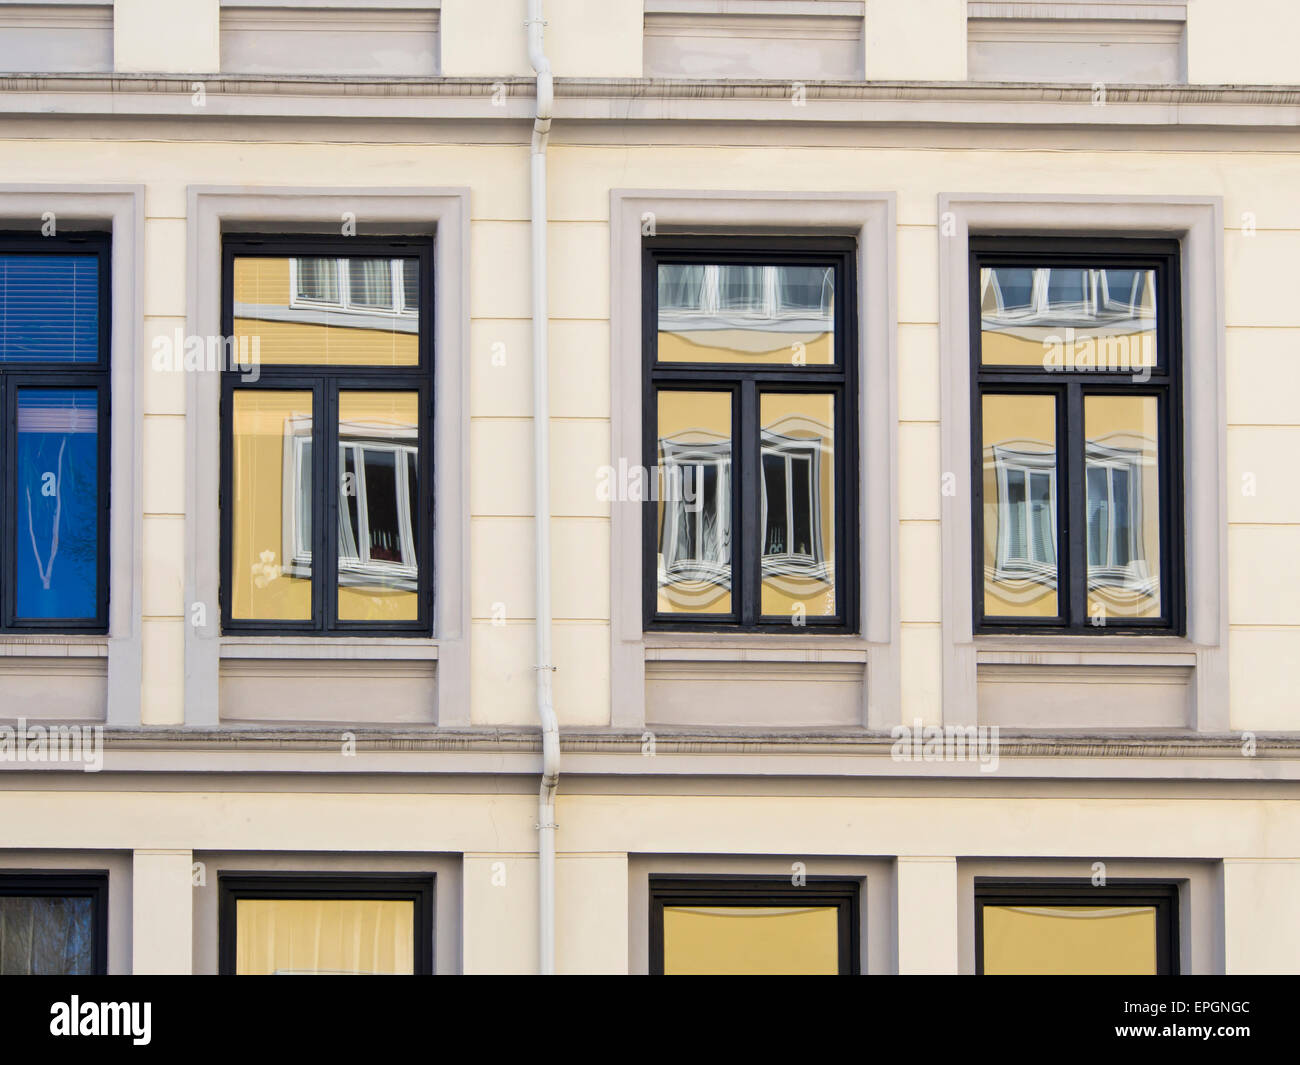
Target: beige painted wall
1258,840
1263,327
166,36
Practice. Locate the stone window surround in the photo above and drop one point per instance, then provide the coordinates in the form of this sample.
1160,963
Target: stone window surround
877,952
1197,223
120,209
1199,882
869,217
444,212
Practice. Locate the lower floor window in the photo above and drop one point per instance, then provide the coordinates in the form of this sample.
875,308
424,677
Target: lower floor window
53,924
342,925
753,927
1050,928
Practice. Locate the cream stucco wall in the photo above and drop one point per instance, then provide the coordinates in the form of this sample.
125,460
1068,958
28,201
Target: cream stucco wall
1255,836
1262,233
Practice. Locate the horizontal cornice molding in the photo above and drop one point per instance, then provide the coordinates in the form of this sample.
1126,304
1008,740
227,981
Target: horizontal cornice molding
651,100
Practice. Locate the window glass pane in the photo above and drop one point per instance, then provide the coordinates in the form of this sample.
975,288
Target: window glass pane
274,326
1020,500
318,280
735,313
751,940
1123,507
370,282
1007,289
325,936
45,935
49,308
57,501
378,526
410,285
271,505
1069,940
681,287
694,502
798,504
1068,318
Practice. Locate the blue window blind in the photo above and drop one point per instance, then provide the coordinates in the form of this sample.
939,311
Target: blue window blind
49,308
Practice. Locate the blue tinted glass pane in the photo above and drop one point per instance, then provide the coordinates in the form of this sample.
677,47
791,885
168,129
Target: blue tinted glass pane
57,502
49,308
44,935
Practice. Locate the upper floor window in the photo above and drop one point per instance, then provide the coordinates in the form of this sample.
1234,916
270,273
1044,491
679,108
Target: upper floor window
749,434
327,464
1076,425
54,395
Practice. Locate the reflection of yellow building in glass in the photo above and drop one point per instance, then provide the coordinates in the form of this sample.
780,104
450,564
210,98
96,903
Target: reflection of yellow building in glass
797,516
327,312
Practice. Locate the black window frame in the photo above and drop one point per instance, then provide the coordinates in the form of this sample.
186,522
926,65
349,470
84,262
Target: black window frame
325,382
59,376
417,888
746,383
844,893
1070,891
1068,389
78,885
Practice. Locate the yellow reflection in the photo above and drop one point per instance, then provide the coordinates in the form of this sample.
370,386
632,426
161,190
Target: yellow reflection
736,313
1123,506
1020,551
798,504
271,510
751,940
1067,319
359,311
694,502
369,936
379,462
1069,940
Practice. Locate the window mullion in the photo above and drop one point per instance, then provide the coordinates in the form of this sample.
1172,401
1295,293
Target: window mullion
325,593
1074,534
745,551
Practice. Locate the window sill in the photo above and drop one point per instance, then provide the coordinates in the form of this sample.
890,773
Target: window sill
1032,649
370,648
1087,682
752,647
15,646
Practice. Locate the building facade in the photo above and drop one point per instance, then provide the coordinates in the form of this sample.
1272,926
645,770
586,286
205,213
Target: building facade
918,559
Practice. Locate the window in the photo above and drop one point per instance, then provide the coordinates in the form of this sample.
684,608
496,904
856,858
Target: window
368,286
1077,435
326,925
342,398
1057,927
753,926
54,453
53,924
750,434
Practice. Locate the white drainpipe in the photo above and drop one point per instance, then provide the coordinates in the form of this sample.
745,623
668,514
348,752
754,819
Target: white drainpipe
542,499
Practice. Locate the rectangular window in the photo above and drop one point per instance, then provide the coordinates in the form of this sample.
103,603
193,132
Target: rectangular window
53,924
54,450
753,927
750,434
1077,430
1071,928
326,925
343,398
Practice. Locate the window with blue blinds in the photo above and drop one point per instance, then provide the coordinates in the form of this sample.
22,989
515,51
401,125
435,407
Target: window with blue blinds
54,364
